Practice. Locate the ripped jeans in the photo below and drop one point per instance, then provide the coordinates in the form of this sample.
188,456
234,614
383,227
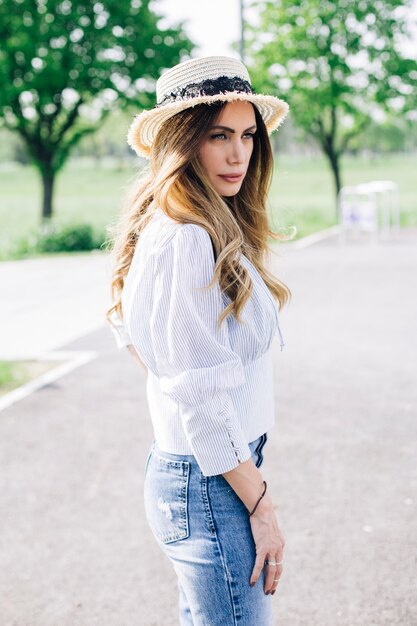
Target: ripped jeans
203,527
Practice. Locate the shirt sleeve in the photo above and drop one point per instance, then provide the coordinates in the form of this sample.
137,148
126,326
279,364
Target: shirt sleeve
119,331
196,365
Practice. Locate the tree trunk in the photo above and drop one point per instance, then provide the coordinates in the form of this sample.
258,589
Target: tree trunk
48,177
334,160
327,142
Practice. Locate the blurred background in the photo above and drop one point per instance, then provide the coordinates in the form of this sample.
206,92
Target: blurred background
72,76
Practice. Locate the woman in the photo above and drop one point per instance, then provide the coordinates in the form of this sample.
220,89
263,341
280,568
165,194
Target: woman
195,304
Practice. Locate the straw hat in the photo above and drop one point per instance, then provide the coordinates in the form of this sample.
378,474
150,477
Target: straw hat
197,81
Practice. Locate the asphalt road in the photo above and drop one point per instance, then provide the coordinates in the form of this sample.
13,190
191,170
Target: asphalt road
75,549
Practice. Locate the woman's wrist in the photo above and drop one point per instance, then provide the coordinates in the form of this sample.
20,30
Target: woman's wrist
264,507
265,486
247,482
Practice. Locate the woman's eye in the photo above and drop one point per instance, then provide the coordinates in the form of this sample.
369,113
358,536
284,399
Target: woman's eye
222,136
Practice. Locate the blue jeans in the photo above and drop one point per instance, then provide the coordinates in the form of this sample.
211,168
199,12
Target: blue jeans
203,527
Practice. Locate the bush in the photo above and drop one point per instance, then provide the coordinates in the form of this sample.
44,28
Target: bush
58,237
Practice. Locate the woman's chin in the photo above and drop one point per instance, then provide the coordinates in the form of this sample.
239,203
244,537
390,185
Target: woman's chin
231,191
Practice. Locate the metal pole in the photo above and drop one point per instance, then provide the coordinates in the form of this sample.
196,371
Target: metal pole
242,32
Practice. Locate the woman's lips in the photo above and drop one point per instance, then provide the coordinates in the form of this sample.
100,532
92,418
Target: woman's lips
231,178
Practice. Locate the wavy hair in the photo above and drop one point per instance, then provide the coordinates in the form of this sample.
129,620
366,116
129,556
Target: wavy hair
177,183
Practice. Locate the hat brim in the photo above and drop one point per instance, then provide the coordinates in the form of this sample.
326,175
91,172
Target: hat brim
145,126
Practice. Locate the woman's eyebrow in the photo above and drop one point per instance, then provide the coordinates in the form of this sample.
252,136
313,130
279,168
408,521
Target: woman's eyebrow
231,130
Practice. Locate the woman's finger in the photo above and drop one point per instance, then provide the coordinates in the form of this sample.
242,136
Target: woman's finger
257,569
270,571
278,573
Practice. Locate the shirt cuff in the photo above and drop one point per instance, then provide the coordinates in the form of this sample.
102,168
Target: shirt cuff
119,331
215,436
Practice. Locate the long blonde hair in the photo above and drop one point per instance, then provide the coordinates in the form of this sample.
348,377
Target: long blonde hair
177,183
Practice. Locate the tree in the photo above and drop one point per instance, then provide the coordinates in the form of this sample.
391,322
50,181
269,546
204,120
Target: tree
338,63
65,65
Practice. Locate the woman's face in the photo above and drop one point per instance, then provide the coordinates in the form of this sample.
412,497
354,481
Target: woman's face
227,147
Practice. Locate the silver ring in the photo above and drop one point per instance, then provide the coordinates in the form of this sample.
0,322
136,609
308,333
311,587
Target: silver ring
271,563
276,580
280,563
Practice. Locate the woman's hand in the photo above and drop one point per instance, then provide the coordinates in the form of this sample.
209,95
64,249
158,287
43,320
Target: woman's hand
247,481
269,543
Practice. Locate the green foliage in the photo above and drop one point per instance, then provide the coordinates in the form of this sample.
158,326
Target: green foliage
65,65
393,135
337,63
52,237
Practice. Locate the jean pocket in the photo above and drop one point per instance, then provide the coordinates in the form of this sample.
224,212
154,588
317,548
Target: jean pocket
166,498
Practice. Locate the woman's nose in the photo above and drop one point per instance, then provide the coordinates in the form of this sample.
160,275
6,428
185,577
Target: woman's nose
237,152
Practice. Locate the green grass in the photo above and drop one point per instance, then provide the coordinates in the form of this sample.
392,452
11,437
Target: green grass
302,192
13,374
6,373
84,192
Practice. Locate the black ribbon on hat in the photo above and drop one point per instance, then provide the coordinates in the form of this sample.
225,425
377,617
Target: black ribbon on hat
208,87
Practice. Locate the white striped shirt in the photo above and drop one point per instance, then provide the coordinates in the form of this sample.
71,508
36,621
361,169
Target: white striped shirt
210,391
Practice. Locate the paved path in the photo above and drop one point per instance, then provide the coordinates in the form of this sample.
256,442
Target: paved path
75,549
47,302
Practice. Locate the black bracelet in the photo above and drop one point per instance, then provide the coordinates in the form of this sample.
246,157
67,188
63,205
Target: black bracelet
260,498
